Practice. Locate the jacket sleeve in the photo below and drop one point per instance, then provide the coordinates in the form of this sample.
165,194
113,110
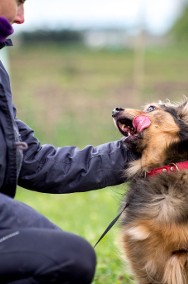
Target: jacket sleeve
46,168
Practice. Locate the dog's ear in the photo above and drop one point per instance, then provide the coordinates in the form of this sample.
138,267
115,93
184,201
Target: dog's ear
182,111
182,120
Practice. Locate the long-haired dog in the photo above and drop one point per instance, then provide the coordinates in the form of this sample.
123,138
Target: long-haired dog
154,226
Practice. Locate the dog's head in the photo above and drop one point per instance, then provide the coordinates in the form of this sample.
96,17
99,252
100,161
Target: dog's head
158,133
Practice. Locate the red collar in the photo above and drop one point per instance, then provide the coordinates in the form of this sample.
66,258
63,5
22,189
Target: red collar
173,167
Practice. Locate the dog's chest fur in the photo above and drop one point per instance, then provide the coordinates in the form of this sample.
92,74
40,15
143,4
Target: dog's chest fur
157,197
155,224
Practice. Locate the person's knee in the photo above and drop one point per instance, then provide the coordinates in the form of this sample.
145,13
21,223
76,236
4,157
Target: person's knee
75,259
83,265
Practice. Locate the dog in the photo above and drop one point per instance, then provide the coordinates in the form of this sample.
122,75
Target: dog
154,225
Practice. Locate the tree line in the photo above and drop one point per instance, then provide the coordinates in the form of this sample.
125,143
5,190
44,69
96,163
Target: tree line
65,36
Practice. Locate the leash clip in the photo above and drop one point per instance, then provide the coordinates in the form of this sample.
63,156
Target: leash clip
174,165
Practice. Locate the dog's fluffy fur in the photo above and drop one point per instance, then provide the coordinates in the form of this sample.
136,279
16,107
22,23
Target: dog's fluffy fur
154,226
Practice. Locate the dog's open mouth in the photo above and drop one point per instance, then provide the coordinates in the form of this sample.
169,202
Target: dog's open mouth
132,127
125,126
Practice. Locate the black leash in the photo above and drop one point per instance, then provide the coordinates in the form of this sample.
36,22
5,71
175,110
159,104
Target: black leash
111,225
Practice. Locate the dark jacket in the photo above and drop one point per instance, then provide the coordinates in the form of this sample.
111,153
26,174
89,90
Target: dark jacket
48,169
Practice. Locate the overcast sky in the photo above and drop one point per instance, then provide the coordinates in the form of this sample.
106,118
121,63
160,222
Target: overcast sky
157,15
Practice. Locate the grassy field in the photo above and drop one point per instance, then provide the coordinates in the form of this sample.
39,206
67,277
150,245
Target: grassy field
67,95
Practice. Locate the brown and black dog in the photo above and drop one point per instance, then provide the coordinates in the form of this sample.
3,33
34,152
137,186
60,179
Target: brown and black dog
154,226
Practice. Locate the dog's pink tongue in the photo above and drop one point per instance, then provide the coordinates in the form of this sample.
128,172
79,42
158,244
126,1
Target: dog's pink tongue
141,122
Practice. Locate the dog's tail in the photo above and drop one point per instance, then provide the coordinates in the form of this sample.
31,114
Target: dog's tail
176,269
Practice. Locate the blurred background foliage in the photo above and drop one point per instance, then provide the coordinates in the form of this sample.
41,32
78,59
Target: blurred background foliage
66,89
179,29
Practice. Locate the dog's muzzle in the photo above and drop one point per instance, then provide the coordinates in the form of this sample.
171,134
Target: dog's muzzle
116,111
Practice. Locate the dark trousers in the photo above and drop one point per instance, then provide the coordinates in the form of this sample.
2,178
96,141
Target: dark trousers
33,250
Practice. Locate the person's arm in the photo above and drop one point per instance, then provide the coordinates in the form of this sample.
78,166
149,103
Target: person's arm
46,168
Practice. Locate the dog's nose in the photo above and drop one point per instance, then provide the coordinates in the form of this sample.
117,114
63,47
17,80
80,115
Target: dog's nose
116,111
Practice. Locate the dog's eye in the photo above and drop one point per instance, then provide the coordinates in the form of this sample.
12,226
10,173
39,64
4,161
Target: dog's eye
150,108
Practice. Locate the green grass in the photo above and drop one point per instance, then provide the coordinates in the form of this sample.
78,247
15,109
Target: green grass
67,95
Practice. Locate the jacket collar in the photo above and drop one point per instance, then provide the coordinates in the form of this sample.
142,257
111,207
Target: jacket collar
7,42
